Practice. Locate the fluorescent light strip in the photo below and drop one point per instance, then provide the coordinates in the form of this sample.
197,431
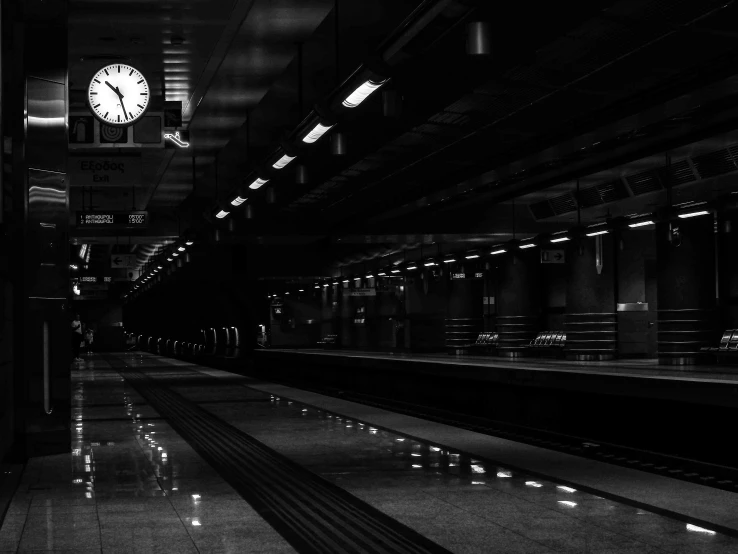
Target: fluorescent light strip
560,239
524,246
238,201
640,224
318,131
395,271
382,274
360,94
370,276
597,233
428,264
500,251
282,162
188,243
221,214
181,249
345,280
449,261
259,182
411,267
472,256
693,214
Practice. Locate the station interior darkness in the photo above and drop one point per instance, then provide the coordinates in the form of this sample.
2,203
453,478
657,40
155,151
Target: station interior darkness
386,276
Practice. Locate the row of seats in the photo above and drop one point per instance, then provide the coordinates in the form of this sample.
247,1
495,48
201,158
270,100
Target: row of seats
487,338
549,339
328,341
728,344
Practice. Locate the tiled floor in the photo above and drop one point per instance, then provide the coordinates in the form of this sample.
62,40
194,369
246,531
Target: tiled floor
132,484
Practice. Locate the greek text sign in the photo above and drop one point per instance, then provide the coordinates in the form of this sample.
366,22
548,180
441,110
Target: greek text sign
360,292
112,220
553,256
96,171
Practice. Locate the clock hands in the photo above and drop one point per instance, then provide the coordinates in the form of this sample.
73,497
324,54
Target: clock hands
120,96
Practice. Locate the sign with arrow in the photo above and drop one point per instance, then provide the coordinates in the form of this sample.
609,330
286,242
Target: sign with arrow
553,256
125,261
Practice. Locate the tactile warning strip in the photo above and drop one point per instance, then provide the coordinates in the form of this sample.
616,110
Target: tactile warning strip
312,514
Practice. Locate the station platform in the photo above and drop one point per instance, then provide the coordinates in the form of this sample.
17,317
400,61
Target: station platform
170,456
715,385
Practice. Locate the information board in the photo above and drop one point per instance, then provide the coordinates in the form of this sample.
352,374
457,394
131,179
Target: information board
473,275
112,220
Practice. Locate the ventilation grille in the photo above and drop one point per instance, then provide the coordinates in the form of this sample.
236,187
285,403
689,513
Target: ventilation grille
645,182
714,163
563,204
541,210
680,173
602,193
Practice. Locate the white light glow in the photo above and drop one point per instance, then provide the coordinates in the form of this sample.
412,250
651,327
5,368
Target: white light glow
693,214
259,181
449,261
196,522
560,239
221,214
283,161
370,276
504,474
189,243
382,274
568,503
696,529
318,131
195,496
477,469
529,245
237,201
411,267
640,224
500,251
533,484
428,264
395,271
565,489
360,94
472,256
597,233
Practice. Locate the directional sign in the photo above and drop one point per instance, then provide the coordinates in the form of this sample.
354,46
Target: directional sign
360,292
112,220
553,256
471,275
105,171
127,261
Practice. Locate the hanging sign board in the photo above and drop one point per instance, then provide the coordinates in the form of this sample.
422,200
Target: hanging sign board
98,171
127,261
360,292
112,220
553,256
462,276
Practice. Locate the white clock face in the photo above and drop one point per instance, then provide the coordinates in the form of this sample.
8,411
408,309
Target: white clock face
118,95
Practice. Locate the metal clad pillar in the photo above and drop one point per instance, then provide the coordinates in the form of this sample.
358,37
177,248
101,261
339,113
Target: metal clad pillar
518,301
685,289
42,347
591,319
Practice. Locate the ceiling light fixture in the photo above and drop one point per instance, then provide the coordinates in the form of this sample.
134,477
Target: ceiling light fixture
527,245
238,200
498,251
429,263
362,92
472,255
181,249
596,233
641,223
412,266
693,214
221,214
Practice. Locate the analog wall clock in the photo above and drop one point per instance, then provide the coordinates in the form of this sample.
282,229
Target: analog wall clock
118,95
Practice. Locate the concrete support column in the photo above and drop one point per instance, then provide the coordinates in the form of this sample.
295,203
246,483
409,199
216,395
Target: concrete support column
518,301
591,318
40,235
464,319
686,289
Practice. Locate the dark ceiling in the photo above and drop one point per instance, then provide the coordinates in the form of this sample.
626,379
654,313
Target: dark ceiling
598,92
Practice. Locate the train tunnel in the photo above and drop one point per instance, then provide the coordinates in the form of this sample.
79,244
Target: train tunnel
339,276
